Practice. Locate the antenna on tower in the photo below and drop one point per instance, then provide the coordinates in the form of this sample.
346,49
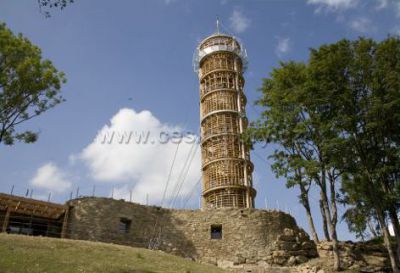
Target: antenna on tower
217,25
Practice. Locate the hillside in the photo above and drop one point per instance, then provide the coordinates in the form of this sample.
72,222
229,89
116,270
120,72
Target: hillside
23,254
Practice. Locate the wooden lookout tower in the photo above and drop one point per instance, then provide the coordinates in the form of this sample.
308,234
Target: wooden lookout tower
220,61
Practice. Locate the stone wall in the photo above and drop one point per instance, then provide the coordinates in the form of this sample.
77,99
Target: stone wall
249,236
359,256
2,216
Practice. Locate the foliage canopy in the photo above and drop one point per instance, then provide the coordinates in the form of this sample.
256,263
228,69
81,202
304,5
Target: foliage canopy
29,85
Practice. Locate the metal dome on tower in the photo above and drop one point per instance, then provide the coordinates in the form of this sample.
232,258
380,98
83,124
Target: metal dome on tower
219,42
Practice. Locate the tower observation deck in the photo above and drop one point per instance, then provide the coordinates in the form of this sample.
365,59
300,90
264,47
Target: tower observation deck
220,61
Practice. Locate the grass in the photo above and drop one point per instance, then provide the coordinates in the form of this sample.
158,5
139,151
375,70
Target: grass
26,254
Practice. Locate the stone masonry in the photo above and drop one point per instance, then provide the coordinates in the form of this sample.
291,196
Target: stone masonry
241,236
367,256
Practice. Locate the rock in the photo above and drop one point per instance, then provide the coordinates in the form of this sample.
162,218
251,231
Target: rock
279,260
325,246
280,253
376,261
209,260
238,259
307,245
308,269
286,245
224,264
301,259
250,261
286,238
359,256
292,261
288,232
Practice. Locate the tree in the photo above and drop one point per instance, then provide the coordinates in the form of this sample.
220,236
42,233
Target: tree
29,85
292,120
363,77
361,219
337,118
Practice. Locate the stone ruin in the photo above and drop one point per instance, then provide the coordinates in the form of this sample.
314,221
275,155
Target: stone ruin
226,237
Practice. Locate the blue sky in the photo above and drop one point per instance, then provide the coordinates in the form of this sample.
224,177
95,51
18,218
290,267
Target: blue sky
129,67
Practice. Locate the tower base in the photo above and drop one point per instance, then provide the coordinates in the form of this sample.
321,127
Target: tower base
226,237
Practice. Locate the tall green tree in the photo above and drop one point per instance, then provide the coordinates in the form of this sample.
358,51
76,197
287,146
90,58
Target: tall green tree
29,85
341,113
363,79
292,120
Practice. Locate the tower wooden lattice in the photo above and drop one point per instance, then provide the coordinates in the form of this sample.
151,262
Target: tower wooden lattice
220,61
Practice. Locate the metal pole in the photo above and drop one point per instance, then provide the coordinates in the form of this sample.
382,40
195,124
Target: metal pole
94,190
48,200
77,192
130,195
12,190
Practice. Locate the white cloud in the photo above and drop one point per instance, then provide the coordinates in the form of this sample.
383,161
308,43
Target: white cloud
393,4
238,21
142,166
283,47
333,5
382,4
50,177
397,8
362,24
167,2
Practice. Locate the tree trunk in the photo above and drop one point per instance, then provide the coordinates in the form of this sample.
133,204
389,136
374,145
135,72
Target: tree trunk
324,222
312,227
331,224
311,223
396,229
306,204
386,239
332,233
333,218
332,190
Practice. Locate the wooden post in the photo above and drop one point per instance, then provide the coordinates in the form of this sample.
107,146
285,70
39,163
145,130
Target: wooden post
6,220
65,223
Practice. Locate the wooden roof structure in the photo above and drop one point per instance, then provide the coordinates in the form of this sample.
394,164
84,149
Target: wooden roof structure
28,206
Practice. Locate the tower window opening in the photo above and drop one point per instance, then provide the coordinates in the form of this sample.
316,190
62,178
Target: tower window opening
124,225
216,232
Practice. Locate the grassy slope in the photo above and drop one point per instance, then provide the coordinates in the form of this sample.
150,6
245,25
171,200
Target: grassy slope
23,254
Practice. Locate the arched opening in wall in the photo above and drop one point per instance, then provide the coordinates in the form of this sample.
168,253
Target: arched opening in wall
216,232
124,225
